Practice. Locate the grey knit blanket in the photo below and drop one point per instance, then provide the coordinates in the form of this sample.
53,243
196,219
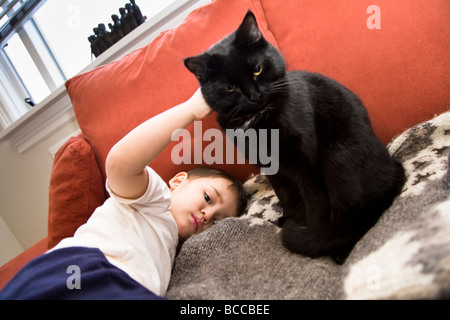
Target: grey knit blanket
406,255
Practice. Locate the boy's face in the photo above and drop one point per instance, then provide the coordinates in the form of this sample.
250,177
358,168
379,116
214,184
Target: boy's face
197,203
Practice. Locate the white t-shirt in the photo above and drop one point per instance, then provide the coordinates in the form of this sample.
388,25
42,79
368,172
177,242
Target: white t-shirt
138,236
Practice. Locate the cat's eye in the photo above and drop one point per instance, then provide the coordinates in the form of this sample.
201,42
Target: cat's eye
258,70
230,87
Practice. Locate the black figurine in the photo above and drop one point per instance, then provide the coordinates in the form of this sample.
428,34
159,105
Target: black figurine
137,13
117,27
95,50
99,40
105,36
130,18
126,28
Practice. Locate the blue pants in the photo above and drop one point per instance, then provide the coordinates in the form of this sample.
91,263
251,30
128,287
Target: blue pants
74,273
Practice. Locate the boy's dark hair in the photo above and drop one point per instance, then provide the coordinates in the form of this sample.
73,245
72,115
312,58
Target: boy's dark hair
207,172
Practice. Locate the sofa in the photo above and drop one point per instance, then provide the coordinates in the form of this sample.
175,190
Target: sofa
394,55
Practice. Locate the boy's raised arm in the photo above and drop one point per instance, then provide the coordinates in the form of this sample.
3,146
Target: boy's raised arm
126,162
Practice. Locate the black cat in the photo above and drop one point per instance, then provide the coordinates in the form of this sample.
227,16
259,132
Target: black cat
335,176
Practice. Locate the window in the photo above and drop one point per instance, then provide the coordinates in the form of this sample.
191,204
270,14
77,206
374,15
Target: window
67,24
48,45
33,62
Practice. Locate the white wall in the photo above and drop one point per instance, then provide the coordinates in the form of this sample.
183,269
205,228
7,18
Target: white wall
24,188
9,245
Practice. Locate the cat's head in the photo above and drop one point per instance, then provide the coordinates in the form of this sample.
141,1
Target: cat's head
239,71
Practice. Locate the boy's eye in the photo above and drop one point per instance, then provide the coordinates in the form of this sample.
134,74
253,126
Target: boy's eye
207,198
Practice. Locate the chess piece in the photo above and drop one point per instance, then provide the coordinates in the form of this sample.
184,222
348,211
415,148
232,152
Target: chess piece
137,12
117,27
99,40
113,34
105,36
126,27
95,50
130,16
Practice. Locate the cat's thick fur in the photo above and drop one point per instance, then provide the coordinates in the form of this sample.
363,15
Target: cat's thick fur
335,176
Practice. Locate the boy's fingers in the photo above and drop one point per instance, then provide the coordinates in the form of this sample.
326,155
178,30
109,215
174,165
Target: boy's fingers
202,108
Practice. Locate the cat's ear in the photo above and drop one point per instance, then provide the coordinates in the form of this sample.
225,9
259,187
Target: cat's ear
248,32
198,65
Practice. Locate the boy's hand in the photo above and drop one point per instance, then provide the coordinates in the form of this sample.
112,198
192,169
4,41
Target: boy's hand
201,108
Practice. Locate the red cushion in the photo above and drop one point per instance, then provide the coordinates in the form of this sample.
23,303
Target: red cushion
76,189
401,71
113,99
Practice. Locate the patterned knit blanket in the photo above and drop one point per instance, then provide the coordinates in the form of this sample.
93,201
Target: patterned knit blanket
406,255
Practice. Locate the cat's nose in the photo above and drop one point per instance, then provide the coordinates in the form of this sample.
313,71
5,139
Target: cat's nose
255,96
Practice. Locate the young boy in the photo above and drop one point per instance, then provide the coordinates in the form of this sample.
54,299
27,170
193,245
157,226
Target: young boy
127,248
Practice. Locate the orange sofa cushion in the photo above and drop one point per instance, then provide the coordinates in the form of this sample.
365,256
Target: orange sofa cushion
76,189
401,71
113,99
